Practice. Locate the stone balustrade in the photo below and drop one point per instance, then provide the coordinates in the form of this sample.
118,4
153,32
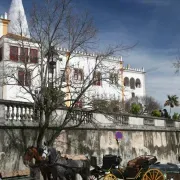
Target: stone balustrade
17,111
21,112
149,122
78,115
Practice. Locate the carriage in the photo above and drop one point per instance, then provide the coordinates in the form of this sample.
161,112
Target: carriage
143,167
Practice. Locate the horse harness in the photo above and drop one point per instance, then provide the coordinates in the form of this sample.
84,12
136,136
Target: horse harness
46,162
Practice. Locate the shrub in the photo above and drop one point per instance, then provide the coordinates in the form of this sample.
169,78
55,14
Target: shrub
156,113
175,116
135,108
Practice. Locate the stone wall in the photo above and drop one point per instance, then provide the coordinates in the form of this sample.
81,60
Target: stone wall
96,136
13,143
164,145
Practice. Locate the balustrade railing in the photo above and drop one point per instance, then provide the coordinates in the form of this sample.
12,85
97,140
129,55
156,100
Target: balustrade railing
22,111
122,119
169,123
18,111
149,122
78,116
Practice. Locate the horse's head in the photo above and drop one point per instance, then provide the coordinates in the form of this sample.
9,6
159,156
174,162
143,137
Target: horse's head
30,153
43,152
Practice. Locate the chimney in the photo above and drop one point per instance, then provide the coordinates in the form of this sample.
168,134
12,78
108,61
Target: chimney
121,63
4,25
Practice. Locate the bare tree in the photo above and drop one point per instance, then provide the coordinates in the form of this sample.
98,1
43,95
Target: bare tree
176,65
48,80
148,104
107,106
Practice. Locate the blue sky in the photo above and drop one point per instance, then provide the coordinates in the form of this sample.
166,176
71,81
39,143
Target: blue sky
153,24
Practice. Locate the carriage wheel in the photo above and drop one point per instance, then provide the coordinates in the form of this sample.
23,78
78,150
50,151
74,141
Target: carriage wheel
110,177
153,174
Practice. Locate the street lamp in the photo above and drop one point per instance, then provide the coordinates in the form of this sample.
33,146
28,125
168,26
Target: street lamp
52,59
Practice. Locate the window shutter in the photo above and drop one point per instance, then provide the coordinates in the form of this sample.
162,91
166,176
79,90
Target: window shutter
21,78
99,79
63,75
81,73
24,55
111,78
76,74
79,104
116,79
1,54
28,79
95,78
13,53
33,55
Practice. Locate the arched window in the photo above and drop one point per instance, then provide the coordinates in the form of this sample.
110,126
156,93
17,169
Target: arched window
126,81
132,83
138,83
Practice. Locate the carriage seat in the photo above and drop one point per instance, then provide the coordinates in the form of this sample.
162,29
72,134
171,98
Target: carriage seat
138,162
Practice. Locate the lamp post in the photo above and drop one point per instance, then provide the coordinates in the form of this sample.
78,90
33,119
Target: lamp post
52,59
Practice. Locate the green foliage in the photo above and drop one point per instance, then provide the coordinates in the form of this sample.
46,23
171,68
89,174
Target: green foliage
135,108
156,113
148,104
175,116
172,101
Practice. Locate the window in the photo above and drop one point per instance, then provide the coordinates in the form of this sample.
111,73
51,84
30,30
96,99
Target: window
13,53
1,49
138,83
33,55
24,78
24,55
62,74
97,78
126,81
78,74
133,94
113,78
79,104
132,83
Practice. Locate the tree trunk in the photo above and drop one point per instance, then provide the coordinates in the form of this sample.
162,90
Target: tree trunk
43,129
53,137
170,111
41,137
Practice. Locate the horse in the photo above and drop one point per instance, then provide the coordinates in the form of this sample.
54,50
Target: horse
73,167
43,164
34,153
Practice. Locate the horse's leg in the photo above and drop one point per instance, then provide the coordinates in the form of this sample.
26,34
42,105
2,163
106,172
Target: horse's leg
43,172
49,176
48,173
54,173
85,174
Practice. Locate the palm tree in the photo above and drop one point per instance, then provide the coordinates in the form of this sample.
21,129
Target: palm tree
172,101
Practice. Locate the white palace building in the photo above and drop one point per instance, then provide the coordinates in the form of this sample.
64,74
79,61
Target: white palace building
126,82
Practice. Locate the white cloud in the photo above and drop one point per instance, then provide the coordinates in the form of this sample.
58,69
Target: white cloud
154,2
